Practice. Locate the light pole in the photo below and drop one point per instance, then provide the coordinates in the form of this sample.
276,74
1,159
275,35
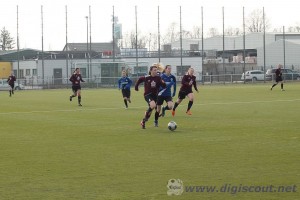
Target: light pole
149,53
87,44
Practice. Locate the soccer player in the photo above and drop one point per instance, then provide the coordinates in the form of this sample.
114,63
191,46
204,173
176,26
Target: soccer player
165,94
76,88
278,75
152,83
187,82
125,84
11,82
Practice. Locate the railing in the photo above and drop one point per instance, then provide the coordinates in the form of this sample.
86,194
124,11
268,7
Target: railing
112,82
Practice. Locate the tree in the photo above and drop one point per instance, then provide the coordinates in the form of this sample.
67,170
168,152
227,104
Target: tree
255,21
213,32
6,42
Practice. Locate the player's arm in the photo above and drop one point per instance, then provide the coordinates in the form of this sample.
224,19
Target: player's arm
129,83
138,82
174,86
71,79
195,85
119,83
81,79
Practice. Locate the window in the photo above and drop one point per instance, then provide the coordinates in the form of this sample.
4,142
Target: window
34,72
27,72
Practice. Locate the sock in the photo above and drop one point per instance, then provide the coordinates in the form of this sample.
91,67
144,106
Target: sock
175,105
12,91
79,99
148,114
167,107
156,115
282,86
9,92
274,85
190,105
125,101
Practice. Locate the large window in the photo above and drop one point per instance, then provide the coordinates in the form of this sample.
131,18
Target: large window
27,72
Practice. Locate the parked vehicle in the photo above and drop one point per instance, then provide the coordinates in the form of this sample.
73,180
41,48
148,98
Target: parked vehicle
4,85
287,74
253,75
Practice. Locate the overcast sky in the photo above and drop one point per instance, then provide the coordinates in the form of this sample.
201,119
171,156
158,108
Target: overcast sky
280,13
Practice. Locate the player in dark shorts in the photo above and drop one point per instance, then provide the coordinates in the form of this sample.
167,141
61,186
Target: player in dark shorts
76,88
11,82
125,84
165,94
278,77
152,83
187,82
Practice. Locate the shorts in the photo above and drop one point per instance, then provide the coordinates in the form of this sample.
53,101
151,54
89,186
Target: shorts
183,94
12,86
150,97
126,93
161,99
75,88
278,79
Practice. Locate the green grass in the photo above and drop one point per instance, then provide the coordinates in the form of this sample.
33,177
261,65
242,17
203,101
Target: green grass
238,134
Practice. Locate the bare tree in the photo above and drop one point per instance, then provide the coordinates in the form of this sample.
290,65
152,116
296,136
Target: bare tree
213,32
233,31
197,32
255,21
6,42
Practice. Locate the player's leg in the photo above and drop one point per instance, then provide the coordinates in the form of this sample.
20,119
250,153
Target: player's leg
191,100
79,97
157,111
74,93
281,85
148,112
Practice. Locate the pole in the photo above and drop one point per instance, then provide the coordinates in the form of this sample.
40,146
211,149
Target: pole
244,45
223,59
87,45
90,56
264,44
180,38
136,38
158,34
202,41
43,76
18,47
67,54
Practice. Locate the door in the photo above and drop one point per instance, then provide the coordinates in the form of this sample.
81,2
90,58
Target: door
57,74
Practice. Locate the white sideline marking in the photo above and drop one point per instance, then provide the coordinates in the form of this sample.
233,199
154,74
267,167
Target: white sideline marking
117,108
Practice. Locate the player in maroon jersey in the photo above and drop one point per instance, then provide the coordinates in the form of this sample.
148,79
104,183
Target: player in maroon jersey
76,88
187,82
11,82
152,83
278,75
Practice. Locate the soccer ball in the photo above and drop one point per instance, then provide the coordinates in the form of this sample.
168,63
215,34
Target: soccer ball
172,126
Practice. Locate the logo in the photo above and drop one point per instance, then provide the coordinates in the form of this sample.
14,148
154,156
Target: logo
175,187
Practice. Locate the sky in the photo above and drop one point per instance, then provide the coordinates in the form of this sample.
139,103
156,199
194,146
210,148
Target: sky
280,13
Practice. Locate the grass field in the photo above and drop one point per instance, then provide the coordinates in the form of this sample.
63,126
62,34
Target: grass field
242,135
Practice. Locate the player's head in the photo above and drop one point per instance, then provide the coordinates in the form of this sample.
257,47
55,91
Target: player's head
124,73
190,71
153,70
167,69
77,71
279,66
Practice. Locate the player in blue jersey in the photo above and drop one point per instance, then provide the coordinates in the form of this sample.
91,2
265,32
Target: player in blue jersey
124,85
165,94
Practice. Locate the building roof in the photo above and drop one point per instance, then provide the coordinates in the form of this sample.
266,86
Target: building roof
97,47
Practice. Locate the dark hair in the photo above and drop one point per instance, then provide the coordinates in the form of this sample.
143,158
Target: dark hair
153,66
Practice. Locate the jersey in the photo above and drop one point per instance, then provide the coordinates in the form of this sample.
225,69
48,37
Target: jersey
187,82
11,80
75,79
170,81
151,84
125,83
